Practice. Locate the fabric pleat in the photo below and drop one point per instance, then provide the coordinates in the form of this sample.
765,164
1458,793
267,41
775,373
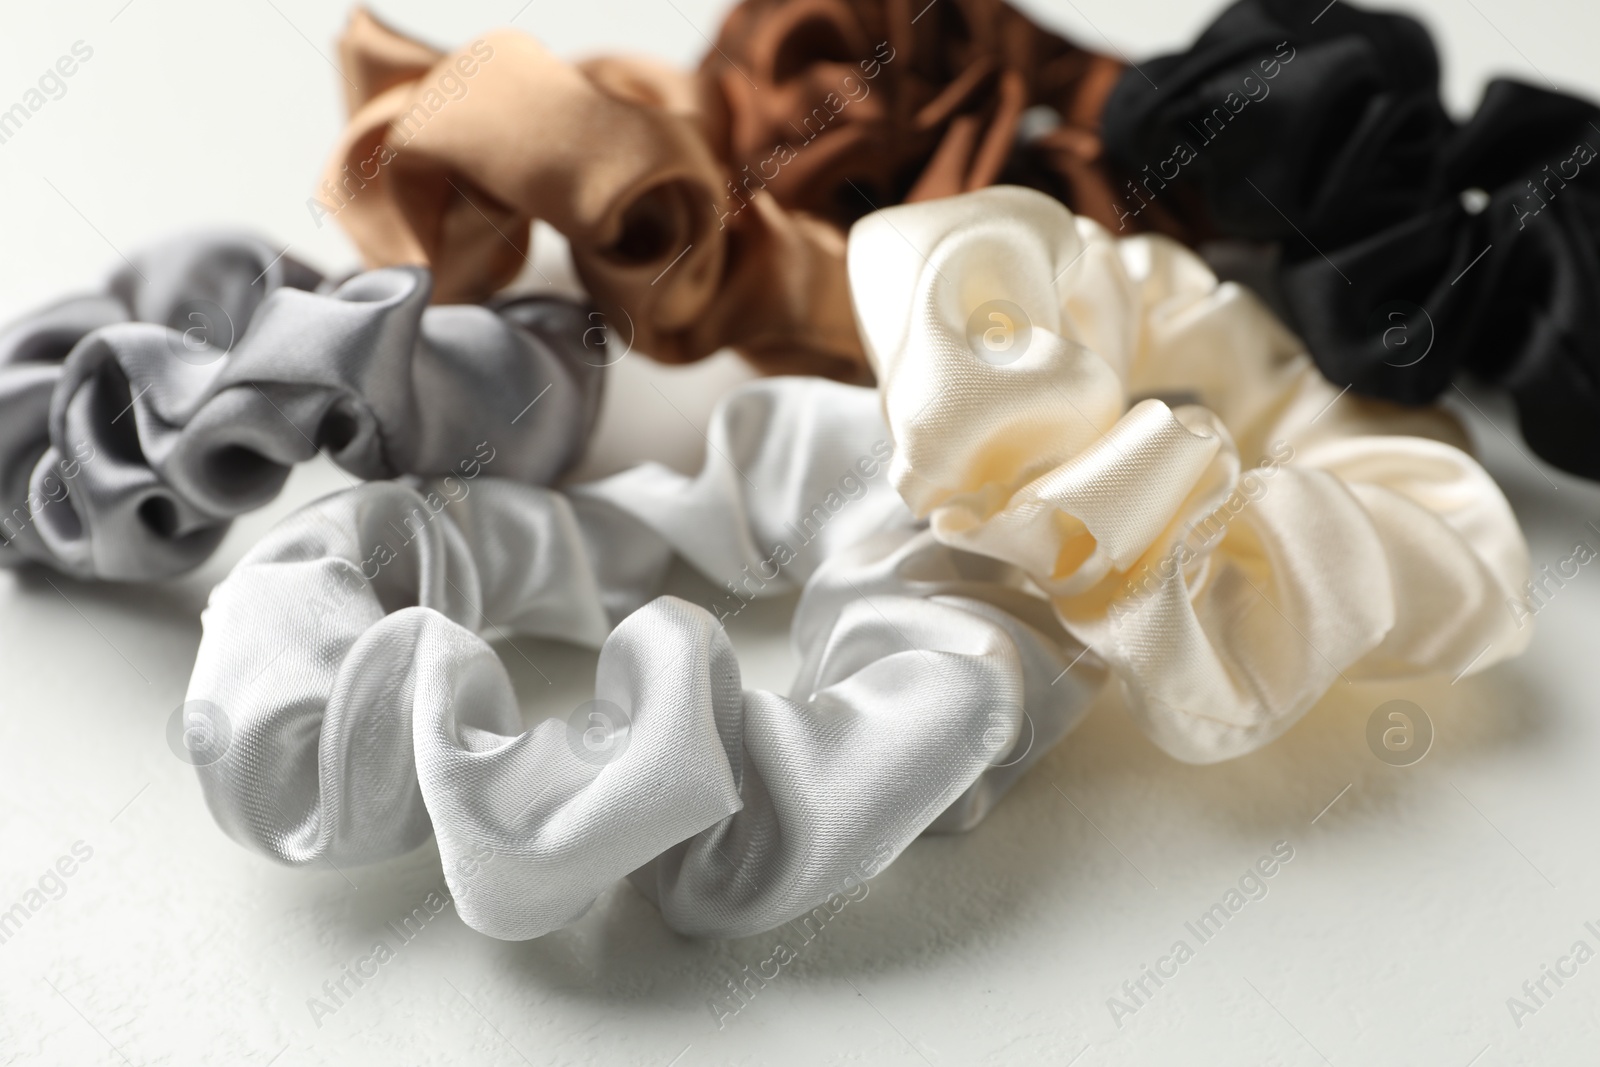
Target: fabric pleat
364,708
1229,533
135,423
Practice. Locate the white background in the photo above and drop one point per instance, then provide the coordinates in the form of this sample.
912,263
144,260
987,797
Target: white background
1413,908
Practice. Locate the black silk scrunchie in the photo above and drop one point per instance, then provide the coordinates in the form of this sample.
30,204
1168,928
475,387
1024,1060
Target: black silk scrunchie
1411,248
136,422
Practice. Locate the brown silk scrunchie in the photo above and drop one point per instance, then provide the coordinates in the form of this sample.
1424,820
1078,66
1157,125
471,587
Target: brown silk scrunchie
709,211
840,107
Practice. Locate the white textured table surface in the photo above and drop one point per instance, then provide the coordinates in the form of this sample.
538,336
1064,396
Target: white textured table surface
1413,906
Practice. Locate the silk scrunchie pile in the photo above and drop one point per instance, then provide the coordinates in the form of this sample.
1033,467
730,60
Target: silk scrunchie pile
1412,248
706,211
135,423
448,159
1157,452
365,711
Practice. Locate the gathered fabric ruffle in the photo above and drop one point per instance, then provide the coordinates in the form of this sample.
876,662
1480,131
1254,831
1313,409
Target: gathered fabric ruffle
347,661
1412,248
839,108
1202,509
137,422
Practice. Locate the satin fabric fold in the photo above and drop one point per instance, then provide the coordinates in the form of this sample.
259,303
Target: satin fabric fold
366,708
1163,460
710,212
135,423
1412,248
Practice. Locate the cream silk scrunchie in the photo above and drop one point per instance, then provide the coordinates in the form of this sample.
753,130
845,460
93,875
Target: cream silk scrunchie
356,709
1159,454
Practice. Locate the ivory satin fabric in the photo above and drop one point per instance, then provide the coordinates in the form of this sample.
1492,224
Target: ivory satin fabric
136,422
1232,550
366,708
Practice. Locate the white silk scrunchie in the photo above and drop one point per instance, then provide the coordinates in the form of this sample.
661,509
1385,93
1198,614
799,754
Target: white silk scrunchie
365,710
1231,550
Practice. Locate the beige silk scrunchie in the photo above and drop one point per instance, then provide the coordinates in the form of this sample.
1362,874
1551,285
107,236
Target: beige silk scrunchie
1226,529
447,160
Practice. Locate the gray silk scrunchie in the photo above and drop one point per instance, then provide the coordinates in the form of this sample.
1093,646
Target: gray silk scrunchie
135,423
352,705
